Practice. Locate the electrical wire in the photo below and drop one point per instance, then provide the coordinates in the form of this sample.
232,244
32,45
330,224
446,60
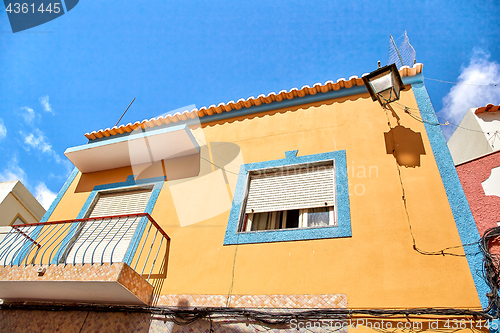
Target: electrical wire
203,158
206,144
468,129
417,117
491,264
405,203
414,116
494,137
186,316
407,110
466,84
228,302
83,324
222,168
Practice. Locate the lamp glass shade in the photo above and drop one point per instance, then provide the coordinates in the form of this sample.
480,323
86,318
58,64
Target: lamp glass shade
384,84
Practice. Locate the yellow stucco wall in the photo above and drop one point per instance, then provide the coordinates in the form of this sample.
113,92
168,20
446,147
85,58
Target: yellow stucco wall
375,268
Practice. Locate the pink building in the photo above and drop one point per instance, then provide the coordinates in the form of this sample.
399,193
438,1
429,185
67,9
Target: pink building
480,178
475,149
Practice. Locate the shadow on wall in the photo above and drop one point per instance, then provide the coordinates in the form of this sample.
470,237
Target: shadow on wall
201,185
157,279
210,193
225,155
406,146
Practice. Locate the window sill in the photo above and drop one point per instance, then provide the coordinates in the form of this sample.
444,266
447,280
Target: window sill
284,235
292,229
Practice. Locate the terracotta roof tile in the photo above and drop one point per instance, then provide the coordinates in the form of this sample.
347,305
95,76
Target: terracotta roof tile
487,108
245,103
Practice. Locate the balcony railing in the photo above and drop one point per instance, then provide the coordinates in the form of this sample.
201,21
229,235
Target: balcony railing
134,239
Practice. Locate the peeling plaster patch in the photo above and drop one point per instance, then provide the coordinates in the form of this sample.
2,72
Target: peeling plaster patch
491,186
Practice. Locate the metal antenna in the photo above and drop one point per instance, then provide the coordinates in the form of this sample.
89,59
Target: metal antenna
402,56
393,45
125,111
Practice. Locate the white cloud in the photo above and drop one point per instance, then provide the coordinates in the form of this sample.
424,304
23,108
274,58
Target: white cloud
45,103
462,97
28,114
37,141
3,130
44,195
13,172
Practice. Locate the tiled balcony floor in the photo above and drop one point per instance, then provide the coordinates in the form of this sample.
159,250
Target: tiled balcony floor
101,284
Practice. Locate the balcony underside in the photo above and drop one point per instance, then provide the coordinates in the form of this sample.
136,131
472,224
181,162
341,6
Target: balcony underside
97,284
134,149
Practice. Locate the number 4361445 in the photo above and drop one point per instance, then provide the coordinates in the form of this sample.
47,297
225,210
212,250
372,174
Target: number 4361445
25,8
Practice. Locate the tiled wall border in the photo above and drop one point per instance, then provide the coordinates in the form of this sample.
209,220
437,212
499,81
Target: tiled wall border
323,301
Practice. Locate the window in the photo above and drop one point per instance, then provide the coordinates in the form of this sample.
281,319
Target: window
18,220
295,198
289,219
120,203
107,238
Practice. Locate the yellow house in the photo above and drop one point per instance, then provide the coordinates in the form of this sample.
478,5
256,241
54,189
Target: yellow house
315,198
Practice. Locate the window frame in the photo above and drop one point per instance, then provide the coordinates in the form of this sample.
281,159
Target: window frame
342,228
247,222
18,216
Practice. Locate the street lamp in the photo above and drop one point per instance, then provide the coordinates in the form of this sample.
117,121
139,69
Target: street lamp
384,84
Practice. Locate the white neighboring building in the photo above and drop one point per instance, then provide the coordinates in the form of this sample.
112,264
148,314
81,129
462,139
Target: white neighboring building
477,134
18,205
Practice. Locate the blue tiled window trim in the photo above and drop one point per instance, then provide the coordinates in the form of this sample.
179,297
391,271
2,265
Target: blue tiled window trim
157,183
343,229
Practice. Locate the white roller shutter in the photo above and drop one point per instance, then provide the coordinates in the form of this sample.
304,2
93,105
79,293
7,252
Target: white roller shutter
297,188
121,203
111,236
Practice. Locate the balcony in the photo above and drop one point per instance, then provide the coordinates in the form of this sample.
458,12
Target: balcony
118,259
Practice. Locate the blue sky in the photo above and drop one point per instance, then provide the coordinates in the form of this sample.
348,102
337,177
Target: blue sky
79,72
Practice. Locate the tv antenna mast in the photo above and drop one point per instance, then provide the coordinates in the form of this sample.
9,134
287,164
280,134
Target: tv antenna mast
402,56
124,112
